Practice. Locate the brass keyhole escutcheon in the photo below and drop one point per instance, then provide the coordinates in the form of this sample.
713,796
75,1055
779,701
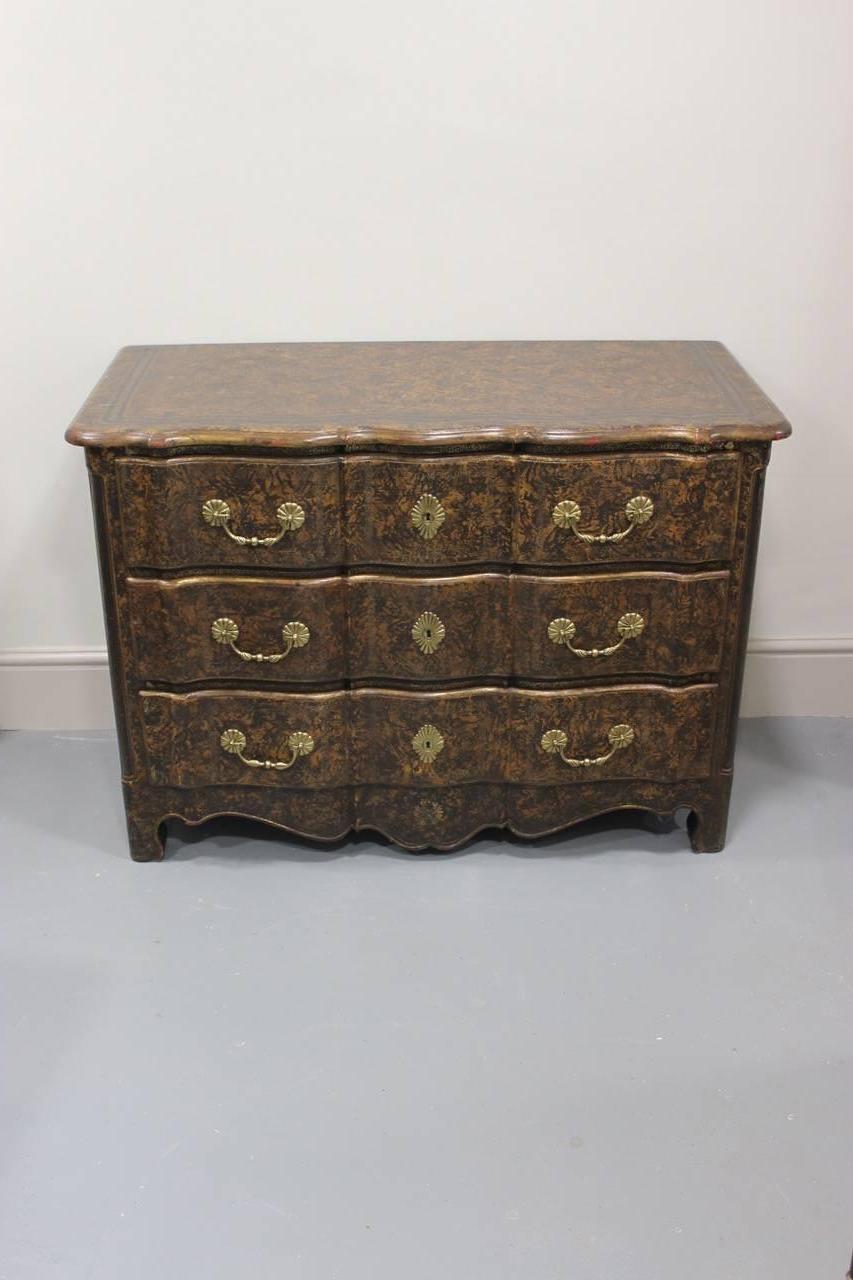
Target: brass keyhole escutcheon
428,515
428,632
428,742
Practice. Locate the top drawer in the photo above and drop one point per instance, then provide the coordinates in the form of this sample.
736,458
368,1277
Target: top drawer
626,507
437,511
465,510
224,511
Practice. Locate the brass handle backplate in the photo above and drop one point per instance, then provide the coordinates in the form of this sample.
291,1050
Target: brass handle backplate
555,742
566,515
234,742
428,515
294,634
562,631
217,513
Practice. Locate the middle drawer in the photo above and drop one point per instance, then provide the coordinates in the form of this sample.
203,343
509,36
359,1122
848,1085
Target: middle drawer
472,627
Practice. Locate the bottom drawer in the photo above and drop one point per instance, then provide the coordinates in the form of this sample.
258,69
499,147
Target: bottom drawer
221,738
369,737
633,732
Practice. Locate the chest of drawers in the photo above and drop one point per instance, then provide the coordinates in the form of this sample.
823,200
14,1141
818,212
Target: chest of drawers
426,588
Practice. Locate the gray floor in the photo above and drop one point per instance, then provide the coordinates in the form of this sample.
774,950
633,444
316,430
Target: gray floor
601,1056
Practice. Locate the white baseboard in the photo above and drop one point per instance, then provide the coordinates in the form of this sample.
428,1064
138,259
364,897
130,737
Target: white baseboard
70,688
799,677
55,689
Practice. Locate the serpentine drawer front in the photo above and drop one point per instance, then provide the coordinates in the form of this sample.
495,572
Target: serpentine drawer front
426,588
261,630
472,627
627,506
442,512
430,739
260,514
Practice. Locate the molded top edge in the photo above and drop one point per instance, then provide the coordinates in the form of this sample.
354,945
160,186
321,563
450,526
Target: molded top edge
297,396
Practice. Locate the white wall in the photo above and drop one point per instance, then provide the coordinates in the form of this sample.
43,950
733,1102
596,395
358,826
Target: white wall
260,170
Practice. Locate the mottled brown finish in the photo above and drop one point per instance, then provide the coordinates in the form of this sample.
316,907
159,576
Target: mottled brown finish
499,433
474,492
441,818
163,527
384,724
496,626
490,735
358,510
673,733
358,394
539,811
181,735
327,813
695,500
684,616
473,607
170,625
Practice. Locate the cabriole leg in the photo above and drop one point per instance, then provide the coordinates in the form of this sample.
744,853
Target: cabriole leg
146,828
707,823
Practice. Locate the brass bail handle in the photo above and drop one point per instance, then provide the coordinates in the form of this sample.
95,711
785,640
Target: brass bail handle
562,631
294,634
555,741
233,741
638,510
217,513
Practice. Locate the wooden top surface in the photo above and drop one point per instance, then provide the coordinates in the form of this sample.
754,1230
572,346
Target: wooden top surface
424,394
